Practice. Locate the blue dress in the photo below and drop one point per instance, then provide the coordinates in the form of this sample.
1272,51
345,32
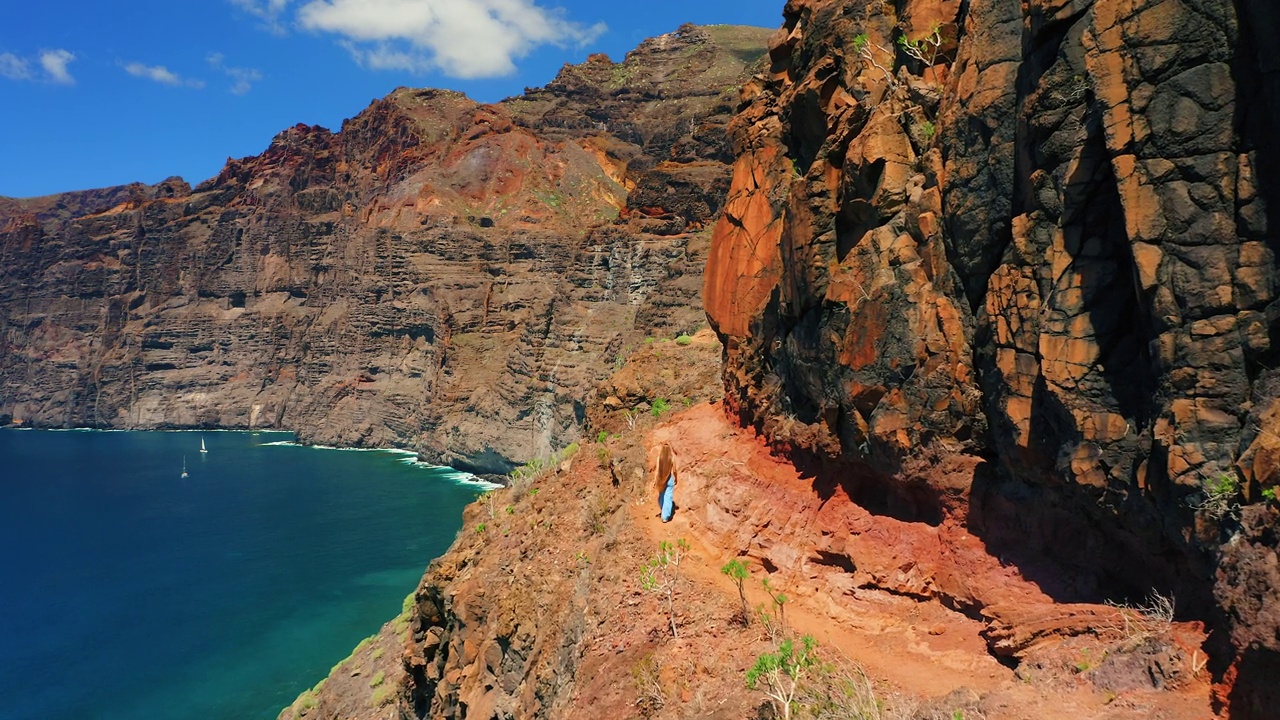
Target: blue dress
667,499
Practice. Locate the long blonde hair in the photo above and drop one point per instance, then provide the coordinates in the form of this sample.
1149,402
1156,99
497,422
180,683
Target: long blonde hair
666,468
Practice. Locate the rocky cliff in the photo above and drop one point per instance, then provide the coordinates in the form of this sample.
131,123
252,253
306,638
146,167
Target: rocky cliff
541,609
1036,235
439,274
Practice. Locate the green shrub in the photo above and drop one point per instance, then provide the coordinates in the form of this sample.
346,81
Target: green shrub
928,130
738,572
377,679
778,674
658,407
1219,497
683,340
662,573
602,436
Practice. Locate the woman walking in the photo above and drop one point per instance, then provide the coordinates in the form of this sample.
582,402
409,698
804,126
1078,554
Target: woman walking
665,482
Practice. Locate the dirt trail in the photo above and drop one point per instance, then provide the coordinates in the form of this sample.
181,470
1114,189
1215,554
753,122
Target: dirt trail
877,590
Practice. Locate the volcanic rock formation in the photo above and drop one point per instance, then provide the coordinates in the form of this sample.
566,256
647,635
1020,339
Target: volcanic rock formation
1036,234
439,274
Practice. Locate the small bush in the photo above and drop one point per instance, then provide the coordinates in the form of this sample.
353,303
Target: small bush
683,340
1219,496
377,679
661,575
928,130
659,406
1269,494
602,436
648,676
737,571
778,674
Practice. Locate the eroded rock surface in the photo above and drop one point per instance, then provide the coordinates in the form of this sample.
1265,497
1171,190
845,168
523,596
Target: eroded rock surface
1043,241
439,274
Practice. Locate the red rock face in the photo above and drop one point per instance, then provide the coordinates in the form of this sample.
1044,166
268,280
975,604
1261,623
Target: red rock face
1045,243
439,274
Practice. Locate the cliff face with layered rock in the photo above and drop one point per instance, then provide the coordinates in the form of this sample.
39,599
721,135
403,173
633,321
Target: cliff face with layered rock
440,274
1012,264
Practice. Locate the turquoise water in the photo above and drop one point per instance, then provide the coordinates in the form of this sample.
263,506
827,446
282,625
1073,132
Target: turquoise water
127,592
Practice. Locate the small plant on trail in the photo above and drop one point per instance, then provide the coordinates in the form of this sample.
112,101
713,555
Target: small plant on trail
841,690
683,339
631,416
1139,623
602,455
602,436
778,674
662,573
738,572
659,406
1269,494
648,676
776,625
480,528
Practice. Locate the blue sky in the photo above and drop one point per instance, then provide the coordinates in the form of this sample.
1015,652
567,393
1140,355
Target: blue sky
95,93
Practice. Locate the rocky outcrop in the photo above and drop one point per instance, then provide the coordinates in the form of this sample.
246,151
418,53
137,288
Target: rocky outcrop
1034,233
439,274
539,609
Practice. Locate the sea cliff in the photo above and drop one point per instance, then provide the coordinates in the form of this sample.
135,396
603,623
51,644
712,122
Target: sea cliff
439,274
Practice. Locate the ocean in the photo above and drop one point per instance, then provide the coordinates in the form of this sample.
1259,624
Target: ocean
129,592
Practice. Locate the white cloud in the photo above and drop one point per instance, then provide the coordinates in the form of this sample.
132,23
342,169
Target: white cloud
267,11
462,38
55,64
14,67
242,79
161,74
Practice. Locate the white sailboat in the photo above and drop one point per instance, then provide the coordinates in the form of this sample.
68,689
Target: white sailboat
202,445
184,466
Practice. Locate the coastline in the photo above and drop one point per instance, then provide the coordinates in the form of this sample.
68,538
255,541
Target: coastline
411,457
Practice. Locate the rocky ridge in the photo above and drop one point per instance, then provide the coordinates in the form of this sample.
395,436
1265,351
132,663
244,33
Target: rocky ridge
1036,236
439,274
